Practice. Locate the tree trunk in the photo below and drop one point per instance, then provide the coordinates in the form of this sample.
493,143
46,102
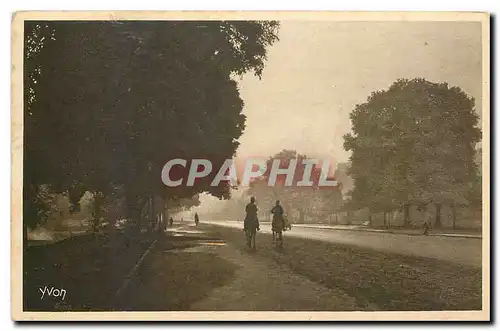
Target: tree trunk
454,211
336,218
143,214
160,221
407,215
385,218
153,219
96,211
165,218
301,215
136,215
370,219
286,209
437,223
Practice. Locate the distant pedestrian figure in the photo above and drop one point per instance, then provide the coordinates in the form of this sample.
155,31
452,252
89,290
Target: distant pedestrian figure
251,223
171,221
196,219
427,224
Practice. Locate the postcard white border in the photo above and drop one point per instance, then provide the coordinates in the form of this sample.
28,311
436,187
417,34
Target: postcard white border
17,166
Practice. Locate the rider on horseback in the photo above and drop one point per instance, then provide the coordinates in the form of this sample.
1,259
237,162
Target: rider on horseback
251,222
278,223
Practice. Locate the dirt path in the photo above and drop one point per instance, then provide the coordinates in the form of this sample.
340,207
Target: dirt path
260,285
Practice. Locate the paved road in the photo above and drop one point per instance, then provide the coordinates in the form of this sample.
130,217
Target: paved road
457,250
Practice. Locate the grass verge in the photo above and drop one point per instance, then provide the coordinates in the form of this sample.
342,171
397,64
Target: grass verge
89,268
377,280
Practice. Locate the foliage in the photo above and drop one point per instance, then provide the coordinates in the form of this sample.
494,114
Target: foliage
113,101
177,205
303,199
41,205
413,144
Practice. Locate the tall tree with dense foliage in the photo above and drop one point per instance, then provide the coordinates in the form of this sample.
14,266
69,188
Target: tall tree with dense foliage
113,101
413,144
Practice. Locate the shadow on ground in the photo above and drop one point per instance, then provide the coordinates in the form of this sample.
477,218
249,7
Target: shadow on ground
91,270
173,279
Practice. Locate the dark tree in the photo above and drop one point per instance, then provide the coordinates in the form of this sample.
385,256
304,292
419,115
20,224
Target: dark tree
113,101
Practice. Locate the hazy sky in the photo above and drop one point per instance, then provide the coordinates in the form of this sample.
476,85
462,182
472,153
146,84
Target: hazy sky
319,71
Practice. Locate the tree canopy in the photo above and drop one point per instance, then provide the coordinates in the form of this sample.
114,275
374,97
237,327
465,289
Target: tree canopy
413,144
108,103
303,199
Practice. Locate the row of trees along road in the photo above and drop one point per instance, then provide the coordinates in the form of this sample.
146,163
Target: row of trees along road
414,144
304,200
106,104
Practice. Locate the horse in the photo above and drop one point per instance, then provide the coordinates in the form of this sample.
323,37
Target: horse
250,230
278,226
250,236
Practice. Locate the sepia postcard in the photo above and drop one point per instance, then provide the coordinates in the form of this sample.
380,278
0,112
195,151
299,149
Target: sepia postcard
286,166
